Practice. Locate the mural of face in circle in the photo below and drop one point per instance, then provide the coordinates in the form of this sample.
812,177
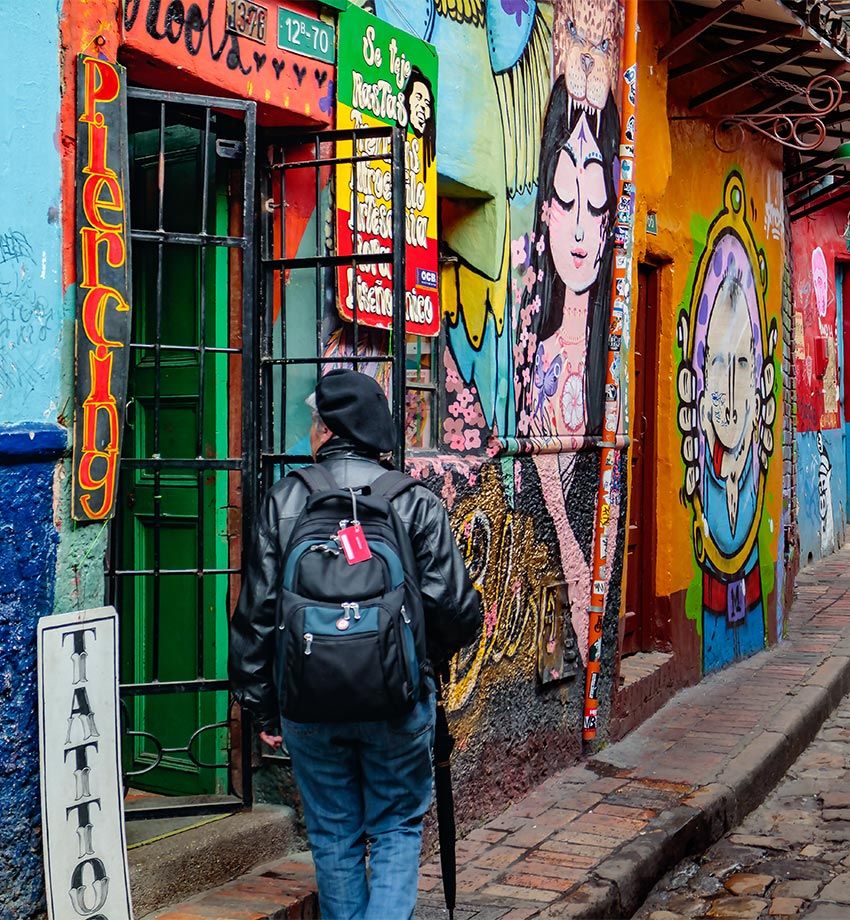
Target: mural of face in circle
727,408
727,404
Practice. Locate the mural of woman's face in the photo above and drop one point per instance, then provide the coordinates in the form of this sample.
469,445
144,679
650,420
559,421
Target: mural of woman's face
578,210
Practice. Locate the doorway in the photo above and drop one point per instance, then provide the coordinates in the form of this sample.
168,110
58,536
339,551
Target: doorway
640,573
175,543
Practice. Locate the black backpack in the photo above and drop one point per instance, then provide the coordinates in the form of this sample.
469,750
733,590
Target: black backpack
350,637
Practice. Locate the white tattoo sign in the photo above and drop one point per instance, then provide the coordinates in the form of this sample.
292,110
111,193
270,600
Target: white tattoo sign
85,849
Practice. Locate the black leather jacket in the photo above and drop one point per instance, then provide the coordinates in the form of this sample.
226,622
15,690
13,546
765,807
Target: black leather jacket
452,607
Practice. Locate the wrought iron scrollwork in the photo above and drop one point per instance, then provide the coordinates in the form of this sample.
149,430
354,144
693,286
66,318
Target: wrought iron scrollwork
157,751
799,130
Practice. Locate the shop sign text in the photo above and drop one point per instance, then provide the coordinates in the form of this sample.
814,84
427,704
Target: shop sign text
387,77
85,849
103,286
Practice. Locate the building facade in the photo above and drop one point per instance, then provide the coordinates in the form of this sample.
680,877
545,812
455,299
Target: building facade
607,308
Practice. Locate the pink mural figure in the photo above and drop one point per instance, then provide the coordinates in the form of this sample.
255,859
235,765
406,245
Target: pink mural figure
562,331
820,281
826,329
561,334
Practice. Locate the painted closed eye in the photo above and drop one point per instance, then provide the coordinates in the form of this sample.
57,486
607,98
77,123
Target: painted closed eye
593,186
563,205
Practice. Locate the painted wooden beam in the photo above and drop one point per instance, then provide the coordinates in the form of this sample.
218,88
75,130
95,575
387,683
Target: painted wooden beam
732,51
739,82
687,35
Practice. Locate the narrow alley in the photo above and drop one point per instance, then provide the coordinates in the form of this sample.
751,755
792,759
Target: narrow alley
592,840
587,265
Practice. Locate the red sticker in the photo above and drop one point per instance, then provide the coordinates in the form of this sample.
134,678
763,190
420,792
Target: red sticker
354,545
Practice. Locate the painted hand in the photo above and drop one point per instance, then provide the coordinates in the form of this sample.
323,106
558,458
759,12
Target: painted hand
767,399
273,741
687,390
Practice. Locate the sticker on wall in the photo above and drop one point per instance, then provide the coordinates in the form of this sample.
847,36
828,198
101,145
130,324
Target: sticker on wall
82,814
558,655
727,409
247,19
387,77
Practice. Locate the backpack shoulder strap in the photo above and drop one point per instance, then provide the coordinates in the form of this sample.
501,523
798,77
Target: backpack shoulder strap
391,484
316,478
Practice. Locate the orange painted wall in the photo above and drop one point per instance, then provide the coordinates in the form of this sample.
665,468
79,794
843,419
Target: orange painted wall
681,176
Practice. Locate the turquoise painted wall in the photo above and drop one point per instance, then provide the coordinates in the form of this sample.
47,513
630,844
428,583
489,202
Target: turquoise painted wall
30,226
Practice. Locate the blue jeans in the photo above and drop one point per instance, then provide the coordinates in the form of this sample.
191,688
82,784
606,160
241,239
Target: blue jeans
365,782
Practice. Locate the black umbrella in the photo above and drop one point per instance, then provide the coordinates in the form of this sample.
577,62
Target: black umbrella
443,746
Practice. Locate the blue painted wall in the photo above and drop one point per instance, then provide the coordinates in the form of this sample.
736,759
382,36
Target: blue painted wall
30,226
821,470
30,440
28,541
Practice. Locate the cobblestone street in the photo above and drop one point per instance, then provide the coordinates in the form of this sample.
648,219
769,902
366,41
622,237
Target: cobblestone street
790,857
589,841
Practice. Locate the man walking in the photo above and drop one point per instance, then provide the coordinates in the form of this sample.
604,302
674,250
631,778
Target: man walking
356,691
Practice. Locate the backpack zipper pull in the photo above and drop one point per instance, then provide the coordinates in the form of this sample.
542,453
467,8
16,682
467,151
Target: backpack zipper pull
404,615
356,608
308,642
345,620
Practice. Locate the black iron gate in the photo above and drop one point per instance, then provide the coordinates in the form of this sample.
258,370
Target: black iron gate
189,464
216,412
301,333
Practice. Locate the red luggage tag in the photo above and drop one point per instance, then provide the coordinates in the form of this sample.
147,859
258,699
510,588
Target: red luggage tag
353,543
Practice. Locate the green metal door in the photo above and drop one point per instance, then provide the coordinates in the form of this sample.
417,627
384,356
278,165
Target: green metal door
174,550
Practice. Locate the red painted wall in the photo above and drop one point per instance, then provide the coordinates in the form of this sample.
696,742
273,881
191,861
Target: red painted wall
168,47
164,51
817,241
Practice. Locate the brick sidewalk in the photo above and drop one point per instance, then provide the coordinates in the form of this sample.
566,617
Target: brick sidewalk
593,839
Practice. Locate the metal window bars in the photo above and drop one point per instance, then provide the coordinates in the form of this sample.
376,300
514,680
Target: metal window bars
187,357
286,365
